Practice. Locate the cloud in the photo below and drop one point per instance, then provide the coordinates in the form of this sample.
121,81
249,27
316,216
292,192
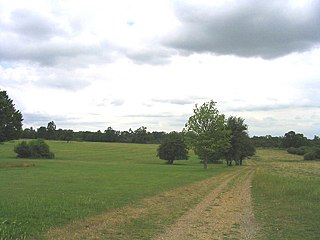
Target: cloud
117,102
178,101
266,29
154,55
31,25
32,37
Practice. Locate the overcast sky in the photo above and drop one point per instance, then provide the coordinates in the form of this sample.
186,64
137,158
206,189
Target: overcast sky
88,65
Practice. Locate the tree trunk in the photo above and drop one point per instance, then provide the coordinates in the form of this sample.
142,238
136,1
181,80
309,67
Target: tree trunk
205,163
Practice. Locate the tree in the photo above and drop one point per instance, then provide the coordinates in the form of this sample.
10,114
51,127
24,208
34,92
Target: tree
140,135
10,119
291,139
173,147
241,146
51,130
209,135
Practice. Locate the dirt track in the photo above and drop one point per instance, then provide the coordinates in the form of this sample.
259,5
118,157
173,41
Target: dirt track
222,210
226,213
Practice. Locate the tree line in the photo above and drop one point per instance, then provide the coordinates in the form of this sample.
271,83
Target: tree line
50,132
290,139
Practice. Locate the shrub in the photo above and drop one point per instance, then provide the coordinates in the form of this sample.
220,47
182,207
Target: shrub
34,149
23,150
298,151
313,155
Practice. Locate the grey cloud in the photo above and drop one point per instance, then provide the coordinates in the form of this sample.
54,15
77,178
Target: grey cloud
63,83
32,37
267,29
154,55
65,54
32,25
117,102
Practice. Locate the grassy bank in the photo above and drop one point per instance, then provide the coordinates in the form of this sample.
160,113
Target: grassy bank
286,193
83,180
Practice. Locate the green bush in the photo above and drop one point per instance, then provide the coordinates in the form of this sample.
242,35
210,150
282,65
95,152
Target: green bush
33,149
23,150
313,155
298,151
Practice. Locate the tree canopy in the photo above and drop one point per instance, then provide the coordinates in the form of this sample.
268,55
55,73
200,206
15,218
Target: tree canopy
241,146
173,147
10,119
209,135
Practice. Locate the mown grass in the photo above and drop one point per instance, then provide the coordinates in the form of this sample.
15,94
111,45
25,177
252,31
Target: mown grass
83,180
286,192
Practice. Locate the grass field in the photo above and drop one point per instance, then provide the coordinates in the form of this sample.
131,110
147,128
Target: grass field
83,180
86,180
286,192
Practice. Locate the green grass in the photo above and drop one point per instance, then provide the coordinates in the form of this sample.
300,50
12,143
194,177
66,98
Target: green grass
286,193
83,180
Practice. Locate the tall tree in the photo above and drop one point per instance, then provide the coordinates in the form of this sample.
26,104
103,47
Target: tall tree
10,119
292,139
51,130
209,135
241,146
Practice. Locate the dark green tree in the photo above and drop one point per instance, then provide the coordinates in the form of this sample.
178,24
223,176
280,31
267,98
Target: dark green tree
241,145
140,135
10,119
292,139
173,147
207,130
51,130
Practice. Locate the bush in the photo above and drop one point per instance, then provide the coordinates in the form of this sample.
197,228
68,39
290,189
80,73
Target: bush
34,149
298,151
23,150
313,155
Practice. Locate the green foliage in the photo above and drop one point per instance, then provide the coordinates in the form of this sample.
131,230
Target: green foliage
241,145
292,139
313,155
267,141
208,130
299,151
10,119
33,149
173,148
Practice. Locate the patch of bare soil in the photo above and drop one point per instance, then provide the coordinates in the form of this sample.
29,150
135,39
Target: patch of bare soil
226,213
222,209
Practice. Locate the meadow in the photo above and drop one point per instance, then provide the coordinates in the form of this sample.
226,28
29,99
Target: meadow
88,179
83,180
286,194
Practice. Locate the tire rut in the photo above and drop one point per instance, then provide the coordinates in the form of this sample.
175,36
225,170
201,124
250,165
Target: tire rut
226,213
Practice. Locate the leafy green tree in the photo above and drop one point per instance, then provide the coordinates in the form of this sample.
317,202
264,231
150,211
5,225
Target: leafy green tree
140,135
292,139
51,130
209,135
42,132
241,145
10,119
173,147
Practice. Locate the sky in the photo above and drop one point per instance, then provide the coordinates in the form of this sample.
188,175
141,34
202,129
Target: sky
90,65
